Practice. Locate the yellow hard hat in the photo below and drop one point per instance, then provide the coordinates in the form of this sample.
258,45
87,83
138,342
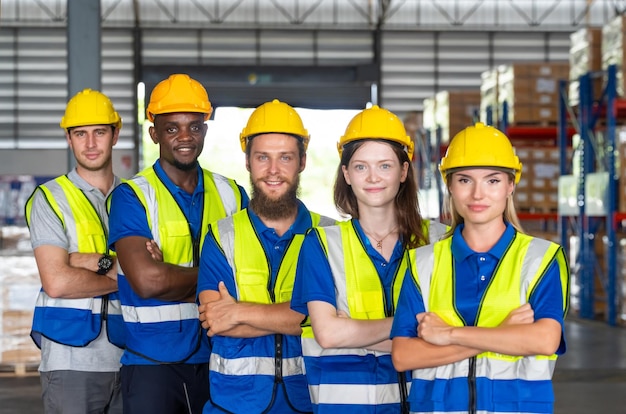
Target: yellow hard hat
179,93
376,123
89,107
480,146
277,117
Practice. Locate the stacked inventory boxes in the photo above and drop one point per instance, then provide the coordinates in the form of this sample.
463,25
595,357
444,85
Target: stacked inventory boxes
530,91
585,56
537,191
455,110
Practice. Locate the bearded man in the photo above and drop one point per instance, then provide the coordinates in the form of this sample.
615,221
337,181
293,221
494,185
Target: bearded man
247,271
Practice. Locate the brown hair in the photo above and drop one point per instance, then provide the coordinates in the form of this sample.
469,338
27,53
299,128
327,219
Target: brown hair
410,223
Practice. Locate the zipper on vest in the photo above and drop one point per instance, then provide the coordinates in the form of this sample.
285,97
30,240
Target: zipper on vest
404,403
278,358
471,385
104,308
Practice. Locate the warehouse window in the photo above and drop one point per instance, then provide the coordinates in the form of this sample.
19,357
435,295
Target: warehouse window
222,151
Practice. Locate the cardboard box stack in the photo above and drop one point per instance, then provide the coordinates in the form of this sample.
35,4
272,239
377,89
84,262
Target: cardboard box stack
537,191
455,110
531,91
489,97
585,56
614,49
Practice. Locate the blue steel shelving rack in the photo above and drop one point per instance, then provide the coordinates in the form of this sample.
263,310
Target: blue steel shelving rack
586,265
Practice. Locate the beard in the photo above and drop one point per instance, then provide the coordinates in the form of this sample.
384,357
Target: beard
185,166
275,208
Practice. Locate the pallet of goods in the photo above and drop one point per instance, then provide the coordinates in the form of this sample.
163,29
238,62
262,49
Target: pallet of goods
530,90
585,56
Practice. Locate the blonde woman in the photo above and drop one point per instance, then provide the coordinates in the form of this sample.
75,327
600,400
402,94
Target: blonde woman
480,322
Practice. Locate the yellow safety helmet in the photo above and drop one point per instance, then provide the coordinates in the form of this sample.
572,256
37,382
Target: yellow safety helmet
179,93
480,146
376,123
277,117
89,107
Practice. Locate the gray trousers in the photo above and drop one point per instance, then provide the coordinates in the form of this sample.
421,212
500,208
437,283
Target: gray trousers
78,392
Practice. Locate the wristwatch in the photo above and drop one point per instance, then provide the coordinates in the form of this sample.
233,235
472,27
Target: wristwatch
105,263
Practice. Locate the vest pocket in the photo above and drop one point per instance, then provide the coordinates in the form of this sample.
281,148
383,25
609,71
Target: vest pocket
252,286
93,236
366,305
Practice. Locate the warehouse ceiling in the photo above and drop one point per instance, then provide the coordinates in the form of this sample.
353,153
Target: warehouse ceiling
344,14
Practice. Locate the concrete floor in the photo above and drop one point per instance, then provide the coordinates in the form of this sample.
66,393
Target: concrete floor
589,379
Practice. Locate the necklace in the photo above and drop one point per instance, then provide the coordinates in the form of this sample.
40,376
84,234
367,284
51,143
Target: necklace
379,243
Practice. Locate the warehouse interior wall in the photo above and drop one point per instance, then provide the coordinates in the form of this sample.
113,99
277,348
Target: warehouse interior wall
414,65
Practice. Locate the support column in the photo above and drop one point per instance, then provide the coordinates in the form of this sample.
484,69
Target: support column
84,62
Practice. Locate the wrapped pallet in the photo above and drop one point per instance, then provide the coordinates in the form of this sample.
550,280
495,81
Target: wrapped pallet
585,56
614,49
429,122
489,97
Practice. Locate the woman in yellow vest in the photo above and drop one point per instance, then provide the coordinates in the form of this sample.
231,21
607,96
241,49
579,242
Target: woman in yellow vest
480,322
349,275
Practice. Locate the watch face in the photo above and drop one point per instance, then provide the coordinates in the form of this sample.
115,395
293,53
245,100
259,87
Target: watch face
104,264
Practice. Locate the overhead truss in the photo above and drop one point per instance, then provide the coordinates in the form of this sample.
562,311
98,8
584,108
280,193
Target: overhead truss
339,14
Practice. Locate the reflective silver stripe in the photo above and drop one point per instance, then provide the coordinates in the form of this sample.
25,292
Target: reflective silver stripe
530,266
226,194
115,307
526,368
424,262
436,230
255,366
450,412
326,221
226,230
162,313
151,209
336,261
92,304
70,225
310,347
530,368
349,393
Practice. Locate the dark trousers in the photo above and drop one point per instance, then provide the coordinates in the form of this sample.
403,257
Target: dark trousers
165,389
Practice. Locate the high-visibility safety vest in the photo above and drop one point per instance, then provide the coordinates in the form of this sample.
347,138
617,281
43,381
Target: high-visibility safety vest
489,382
165,331
246,373
356,379
76,322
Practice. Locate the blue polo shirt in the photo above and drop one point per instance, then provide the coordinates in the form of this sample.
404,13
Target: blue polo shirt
472,274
